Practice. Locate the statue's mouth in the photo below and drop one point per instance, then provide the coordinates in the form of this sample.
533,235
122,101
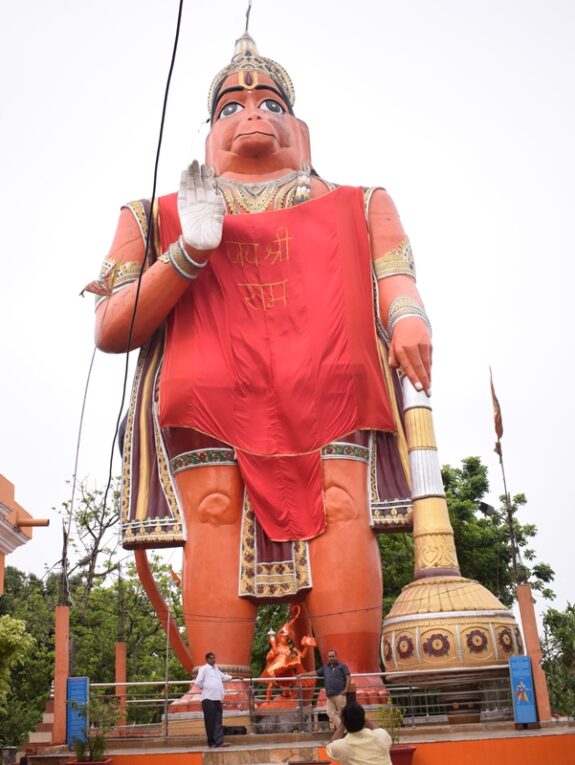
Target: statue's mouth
255,132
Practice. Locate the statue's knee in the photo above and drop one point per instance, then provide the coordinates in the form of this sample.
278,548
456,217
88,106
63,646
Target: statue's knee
219,510
340,505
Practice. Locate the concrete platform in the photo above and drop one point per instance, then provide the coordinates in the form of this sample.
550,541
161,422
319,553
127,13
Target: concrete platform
496,743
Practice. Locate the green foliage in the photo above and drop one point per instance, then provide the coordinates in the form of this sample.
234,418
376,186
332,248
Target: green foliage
396,551
482,534
268,617
390,717
100,716
15,644
108,601
482,540
121,610
32,601
93,538
559,658
107,604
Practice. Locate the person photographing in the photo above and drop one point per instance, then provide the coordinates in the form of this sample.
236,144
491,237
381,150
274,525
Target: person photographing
357,741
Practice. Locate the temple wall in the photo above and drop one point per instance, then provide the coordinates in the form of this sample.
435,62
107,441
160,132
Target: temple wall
524,748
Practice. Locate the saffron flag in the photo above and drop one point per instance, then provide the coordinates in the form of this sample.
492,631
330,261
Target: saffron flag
498,419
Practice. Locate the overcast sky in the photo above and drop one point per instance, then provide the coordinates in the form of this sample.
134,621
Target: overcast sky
463,110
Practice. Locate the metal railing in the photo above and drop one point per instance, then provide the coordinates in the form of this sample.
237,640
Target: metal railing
259,705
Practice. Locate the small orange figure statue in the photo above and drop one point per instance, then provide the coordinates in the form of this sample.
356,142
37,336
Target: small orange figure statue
284,659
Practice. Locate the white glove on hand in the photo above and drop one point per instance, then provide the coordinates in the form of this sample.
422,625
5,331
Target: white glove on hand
201,208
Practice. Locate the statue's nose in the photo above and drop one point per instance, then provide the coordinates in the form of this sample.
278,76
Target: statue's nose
252,110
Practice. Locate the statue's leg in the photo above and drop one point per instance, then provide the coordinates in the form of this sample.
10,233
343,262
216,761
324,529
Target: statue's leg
216,618
345,604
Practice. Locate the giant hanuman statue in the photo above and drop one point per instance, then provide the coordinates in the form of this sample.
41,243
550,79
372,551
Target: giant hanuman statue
280,411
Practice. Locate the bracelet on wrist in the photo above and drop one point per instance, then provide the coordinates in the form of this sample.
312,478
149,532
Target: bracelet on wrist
179,263
187,256
404,307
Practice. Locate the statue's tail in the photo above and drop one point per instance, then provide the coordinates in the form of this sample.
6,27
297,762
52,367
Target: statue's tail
161,608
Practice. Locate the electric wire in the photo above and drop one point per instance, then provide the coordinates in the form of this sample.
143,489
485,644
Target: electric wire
147,251
67,527
64,592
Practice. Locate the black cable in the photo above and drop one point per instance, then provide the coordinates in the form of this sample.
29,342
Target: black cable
132,321
146,254
64,591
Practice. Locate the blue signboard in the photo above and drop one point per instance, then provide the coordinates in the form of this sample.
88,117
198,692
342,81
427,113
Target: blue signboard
524,709
77,697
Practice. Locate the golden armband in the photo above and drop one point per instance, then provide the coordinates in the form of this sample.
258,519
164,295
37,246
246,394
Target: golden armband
398,261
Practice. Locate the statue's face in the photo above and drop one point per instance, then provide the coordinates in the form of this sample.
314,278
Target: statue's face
253,131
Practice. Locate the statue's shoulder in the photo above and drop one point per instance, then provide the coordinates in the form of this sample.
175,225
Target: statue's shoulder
373,196
378,201
141,210
321,186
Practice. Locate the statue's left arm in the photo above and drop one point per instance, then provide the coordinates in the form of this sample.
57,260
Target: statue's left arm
400,305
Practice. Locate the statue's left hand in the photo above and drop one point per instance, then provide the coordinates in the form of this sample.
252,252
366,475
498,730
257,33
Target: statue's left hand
410,350
201,208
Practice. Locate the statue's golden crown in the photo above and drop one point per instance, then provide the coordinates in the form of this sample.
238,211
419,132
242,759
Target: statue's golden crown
246,58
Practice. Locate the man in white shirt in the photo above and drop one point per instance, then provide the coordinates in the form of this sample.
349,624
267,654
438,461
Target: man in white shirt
211,682
364,744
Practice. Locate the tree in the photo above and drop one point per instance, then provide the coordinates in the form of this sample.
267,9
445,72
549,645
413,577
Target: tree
105,607
93,535
15,643
482,534
482,540
559,658
121,610
31,601
396,551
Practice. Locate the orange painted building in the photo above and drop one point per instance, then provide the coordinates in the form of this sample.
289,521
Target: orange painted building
15,524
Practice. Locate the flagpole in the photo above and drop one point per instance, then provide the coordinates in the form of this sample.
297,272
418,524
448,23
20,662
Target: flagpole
523,591
518,573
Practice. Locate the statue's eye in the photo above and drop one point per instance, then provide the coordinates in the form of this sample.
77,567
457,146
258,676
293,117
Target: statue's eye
269,105
232,108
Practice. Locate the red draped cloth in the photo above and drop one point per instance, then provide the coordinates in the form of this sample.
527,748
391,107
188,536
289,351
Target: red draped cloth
273,350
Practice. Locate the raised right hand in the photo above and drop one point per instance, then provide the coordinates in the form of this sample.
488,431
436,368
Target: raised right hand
201,208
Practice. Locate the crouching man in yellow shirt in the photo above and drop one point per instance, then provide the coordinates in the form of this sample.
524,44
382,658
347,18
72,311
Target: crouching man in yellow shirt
364,743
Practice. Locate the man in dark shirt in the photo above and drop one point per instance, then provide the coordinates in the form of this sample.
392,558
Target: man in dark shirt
336,678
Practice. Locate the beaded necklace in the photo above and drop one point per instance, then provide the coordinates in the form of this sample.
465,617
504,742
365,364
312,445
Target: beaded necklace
290,190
